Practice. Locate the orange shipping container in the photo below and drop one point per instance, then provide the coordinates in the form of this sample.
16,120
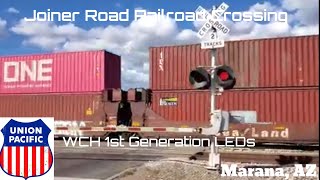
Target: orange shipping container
192,108
275,62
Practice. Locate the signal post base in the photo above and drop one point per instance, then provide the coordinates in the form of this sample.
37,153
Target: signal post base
214,158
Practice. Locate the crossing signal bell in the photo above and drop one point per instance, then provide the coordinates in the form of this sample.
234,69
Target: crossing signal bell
224,77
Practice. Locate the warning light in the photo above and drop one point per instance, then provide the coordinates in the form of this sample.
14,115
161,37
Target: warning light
224,77
200,78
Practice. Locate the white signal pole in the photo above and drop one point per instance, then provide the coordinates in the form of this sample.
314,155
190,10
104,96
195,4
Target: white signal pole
214,156
213,44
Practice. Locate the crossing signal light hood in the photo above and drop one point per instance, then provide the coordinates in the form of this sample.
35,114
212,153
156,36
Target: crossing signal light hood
200,78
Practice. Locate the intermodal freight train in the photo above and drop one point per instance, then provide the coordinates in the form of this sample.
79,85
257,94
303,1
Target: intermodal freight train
275,98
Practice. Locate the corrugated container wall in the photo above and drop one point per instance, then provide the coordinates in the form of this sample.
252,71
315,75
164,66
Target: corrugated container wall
62,107
276,62
271,105
93,109
86,71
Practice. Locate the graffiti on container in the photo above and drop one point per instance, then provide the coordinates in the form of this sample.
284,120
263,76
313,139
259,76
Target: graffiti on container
69,124
161,62
253,132
28,72
168,101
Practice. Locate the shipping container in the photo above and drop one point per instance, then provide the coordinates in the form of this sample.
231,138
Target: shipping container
259,63
192,108
63,107
88,109
268,115
176,109
67,72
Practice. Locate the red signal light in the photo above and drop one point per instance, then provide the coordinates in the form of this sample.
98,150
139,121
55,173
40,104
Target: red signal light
223,75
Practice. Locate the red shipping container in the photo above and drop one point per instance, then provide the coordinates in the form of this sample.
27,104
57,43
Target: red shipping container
86,71
274,62
192,108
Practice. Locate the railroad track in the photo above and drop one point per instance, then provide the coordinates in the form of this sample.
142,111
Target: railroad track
305,147
265,156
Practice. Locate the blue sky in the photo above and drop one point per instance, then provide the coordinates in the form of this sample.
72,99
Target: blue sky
132,39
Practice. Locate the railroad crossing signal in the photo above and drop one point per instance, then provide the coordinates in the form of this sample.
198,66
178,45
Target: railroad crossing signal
224,78
221,77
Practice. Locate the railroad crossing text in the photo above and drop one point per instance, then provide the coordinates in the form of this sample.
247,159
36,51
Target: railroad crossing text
118,16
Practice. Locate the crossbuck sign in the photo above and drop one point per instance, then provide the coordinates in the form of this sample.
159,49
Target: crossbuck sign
213,25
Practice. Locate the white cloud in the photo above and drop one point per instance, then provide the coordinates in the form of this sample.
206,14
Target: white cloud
273,29
13,10
187,36
243,27
305,12
260,7
3,24
292,5
305,30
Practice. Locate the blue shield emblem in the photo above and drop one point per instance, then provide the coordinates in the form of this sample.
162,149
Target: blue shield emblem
26,151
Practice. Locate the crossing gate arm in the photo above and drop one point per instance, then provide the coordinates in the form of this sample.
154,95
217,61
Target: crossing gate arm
128,129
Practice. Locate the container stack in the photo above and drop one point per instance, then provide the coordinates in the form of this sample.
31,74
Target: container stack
67,86
278,78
